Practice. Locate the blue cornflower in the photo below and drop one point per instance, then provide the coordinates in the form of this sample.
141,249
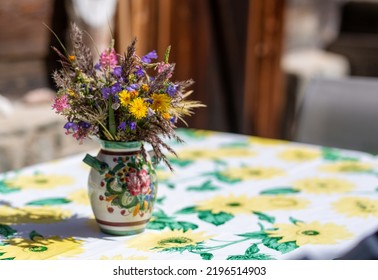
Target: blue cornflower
151,55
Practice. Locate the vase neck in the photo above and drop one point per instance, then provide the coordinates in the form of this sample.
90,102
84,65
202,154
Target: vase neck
120,146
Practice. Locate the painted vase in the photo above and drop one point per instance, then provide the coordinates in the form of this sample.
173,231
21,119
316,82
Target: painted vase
122,187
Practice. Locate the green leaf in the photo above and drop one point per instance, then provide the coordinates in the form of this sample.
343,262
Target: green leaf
207,256
295,221
6,231
215,219
8,259
160,200
253,249
49,201
187,225
278,191
187,210
181,162
254,235
156,225
171,186
265,217
226,179
5,188
207,186
33,235
237,258
285,247
332,154
236,145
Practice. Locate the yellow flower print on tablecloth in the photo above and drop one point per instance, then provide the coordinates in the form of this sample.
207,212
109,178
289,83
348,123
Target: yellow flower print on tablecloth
246,205
41,248
40,181
346,167
277,202
168,240
311,233
265,141
324,185
212,154
252,173
32,214
79,197
299,154
357,207
229,204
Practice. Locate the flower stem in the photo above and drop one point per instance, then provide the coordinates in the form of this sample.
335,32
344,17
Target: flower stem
112,125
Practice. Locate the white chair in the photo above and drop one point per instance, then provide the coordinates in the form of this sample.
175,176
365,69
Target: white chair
341,112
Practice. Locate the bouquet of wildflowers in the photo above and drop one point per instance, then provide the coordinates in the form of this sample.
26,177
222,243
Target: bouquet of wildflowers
121,97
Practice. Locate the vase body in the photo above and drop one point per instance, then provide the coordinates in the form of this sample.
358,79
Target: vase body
122,187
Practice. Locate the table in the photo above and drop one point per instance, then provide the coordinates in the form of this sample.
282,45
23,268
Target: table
231,196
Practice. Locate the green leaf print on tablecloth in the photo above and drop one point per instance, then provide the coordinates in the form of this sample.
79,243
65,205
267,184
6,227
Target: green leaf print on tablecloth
206,186
160,221
251,254
6,188
279,191
49,201
6,231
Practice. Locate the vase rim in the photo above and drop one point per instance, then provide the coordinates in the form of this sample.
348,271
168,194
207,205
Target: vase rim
107,144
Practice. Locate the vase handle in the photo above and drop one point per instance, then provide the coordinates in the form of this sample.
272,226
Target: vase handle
99,166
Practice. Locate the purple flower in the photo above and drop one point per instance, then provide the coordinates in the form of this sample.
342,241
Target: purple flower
132,125
151,55
132,87
117,71
122,126
139,72
116,88
84,125
105,91
97,66
172,89
70,126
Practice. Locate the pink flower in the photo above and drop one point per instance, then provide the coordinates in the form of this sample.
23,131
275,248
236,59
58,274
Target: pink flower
138,182
60,103
162,67
108,58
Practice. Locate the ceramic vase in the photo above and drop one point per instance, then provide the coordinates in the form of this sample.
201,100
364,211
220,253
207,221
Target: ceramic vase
122,187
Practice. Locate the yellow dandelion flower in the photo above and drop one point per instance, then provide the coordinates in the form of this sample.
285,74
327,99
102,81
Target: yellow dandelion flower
32,214
124,98
160,102
299,154
324,185
277,202
40,181
250,172
134,94
166,240
71,57
312,233
144,87
229,204
346,167
138,108
42,248
357,207
166,116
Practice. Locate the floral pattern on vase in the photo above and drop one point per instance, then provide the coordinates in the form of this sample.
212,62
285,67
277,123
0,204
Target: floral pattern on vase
122,187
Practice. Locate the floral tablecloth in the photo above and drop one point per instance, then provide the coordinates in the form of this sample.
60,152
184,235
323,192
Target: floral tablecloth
230,197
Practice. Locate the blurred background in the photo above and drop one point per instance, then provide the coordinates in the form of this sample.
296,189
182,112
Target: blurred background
250,59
